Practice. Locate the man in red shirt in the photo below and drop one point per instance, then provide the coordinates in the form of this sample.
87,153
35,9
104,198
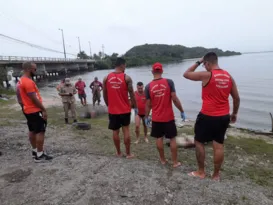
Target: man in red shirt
96,87
214,118
160,93
31,102
116,87
80,85
140,111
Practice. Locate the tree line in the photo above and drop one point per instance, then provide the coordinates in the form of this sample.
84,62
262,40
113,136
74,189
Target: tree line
150,53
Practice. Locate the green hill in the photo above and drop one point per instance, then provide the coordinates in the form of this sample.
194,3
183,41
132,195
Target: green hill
151,53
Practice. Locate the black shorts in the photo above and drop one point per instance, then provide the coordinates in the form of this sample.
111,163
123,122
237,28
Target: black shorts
211,128
141,116
35,122
82,96
167,129
118,121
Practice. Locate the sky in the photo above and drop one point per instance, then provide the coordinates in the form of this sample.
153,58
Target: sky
241,25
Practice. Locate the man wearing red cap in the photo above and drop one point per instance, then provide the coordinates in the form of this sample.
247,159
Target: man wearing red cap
213,119
160,93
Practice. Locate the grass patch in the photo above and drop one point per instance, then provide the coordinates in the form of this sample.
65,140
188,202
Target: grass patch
7,91
251,146
244,157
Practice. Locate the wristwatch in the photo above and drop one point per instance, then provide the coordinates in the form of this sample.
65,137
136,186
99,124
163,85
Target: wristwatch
198,62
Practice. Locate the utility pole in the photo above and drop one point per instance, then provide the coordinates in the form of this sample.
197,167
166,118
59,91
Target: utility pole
90,49
79,43
63,41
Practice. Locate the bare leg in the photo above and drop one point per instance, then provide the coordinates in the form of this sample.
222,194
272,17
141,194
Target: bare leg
40,137
160,148
82,101
137,122
174,153
94,99
85,101
145,131
218,159
116,140
200,157
127,141
32,139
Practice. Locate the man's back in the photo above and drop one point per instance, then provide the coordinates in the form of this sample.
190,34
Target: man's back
28,86
159,92
215,94
117,91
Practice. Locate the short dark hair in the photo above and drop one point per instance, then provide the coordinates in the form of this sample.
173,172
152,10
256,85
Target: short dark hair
120,61
27,65
211,57
140,84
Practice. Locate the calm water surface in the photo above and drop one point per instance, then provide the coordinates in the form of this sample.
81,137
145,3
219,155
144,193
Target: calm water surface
253,74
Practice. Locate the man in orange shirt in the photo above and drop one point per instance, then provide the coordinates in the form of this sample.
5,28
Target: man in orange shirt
34,111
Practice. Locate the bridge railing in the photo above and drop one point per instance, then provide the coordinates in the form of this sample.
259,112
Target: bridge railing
41,59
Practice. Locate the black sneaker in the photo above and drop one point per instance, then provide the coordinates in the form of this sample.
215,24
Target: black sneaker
34,154
43,157
75,121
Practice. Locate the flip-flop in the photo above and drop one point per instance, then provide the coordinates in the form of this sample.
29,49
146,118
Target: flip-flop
217,179
163,163
130,156
136,142
119,155
178,164
192,174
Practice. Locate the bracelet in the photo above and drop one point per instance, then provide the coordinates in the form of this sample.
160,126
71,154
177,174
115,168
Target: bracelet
198,63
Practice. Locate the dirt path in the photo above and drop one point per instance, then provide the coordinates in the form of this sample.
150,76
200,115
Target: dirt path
85,172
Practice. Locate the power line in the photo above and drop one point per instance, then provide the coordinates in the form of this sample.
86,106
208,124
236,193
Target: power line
30,27
33,45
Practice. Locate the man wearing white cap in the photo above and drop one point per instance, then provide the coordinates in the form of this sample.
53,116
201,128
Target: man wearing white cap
67,93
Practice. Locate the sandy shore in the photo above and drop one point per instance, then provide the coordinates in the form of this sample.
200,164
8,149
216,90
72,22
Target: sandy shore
85,171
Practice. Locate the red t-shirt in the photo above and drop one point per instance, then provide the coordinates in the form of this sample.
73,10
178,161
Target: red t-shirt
141,102
27,86
80,85
215,94
117,91
159,92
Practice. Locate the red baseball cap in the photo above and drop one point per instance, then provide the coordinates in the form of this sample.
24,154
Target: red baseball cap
158,67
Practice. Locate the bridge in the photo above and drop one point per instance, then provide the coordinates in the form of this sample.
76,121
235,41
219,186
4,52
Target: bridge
45,66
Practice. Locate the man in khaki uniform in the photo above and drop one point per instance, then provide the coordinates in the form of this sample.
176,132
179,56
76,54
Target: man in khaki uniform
67,92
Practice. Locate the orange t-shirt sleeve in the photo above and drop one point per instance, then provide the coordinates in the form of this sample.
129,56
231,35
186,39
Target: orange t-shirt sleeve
30,87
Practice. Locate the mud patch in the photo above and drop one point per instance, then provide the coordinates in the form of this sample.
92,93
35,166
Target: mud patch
17,176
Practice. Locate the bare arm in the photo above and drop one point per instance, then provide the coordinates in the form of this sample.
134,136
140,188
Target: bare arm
36,102
131,91
190,74
148,108
105,95
176,102
235,96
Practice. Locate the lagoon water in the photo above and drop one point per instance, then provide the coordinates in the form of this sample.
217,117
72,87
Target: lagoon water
253,74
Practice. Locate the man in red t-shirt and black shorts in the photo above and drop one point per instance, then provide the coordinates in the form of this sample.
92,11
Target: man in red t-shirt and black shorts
160,93
116,87
80,86
140,112
214,117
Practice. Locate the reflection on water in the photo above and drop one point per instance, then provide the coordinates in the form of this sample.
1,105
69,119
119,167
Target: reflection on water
253,74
